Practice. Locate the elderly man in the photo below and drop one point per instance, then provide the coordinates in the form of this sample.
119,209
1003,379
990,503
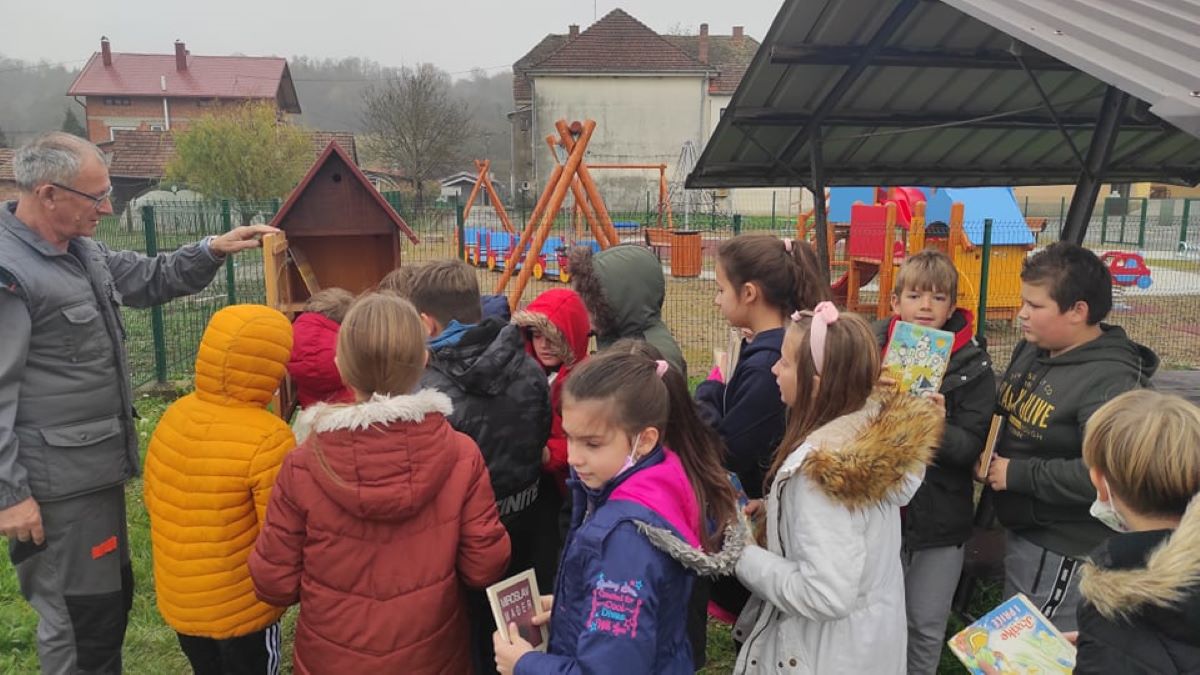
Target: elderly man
67,437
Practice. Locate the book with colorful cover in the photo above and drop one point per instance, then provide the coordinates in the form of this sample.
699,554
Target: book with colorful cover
516,600
917,357
1013,638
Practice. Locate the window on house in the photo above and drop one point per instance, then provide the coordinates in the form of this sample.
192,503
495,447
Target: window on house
117,100
112,131
157,127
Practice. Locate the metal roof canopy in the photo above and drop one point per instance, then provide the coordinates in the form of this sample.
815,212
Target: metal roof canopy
966,93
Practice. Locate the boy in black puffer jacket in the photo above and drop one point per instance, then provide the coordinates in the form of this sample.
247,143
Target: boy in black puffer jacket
1141,591
501,400
937,521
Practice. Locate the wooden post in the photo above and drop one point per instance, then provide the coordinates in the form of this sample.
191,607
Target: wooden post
497,205
482,168
588,215
534,218
887,262
916,229
589,185
556,199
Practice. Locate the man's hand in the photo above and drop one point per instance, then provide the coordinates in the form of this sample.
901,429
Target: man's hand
240,239
23,521
997,476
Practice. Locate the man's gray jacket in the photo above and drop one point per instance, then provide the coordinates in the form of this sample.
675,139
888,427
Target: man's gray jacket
66,406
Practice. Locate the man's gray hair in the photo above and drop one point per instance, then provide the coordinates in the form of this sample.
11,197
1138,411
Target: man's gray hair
54,157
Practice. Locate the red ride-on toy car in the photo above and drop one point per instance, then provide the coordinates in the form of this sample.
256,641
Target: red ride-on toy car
1127,269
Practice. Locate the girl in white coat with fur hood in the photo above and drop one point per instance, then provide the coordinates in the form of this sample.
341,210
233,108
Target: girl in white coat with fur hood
828,586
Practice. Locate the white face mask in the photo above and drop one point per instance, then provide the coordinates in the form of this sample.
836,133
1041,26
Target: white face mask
631,458
1106,513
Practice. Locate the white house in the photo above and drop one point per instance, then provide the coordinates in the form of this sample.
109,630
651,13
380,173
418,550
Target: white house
650,95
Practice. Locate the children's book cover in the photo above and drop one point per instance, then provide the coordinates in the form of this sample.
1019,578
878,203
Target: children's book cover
516,600
1013,639
917,357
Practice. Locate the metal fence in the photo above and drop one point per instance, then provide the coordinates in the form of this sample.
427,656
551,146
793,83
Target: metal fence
1156,298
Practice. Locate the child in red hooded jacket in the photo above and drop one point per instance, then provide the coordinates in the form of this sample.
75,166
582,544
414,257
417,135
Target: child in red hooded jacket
556,328
315,334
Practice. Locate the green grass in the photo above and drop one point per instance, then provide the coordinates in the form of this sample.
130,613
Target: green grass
151,646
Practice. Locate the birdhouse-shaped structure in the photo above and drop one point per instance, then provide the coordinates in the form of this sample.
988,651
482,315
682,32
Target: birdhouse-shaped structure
337,231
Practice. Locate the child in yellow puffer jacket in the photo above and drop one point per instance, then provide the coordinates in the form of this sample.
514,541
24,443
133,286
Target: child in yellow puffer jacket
209,470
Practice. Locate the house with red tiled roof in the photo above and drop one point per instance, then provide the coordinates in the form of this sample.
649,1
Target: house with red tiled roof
161,92
649,93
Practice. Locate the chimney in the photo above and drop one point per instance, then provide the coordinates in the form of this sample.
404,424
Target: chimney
703,57
573,31
180,56
105,51
739,33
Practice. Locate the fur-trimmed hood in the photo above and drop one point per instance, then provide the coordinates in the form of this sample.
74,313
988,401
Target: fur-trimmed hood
560,316
381,459
1170,578
865,458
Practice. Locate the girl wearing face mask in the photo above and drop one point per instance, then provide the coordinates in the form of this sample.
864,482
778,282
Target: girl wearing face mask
1141,592
621,600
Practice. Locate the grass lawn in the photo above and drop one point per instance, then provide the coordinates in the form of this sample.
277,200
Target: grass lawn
150,645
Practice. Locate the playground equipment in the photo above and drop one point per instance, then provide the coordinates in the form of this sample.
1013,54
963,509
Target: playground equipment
484,181
896,220
1127,269
573,175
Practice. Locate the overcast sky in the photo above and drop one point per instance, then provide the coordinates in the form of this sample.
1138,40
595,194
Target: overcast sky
454,35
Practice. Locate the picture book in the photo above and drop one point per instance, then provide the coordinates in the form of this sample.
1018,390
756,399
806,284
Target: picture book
917,357
1013,638
516,600
989,448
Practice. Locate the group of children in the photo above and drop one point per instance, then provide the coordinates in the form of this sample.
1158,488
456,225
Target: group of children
444,445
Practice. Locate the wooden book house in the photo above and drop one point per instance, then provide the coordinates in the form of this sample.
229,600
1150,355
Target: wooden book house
337,231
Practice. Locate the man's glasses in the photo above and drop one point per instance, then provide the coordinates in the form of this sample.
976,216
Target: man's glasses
97,200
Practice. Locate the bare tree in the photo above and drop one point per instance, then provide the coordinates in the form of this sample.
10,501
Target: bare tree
415,124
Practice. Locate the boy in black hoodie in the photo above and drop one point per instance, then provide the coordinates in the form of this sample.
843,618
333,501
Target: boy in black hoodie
1067,365
501,400
937,521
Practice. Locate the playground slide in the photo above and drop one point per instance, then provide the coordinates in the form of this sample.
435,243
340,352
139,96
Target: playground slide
841,285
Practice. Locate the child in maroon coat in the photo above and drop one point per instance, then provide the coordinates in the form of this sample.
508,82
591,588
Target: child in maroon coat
383,516
315,335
